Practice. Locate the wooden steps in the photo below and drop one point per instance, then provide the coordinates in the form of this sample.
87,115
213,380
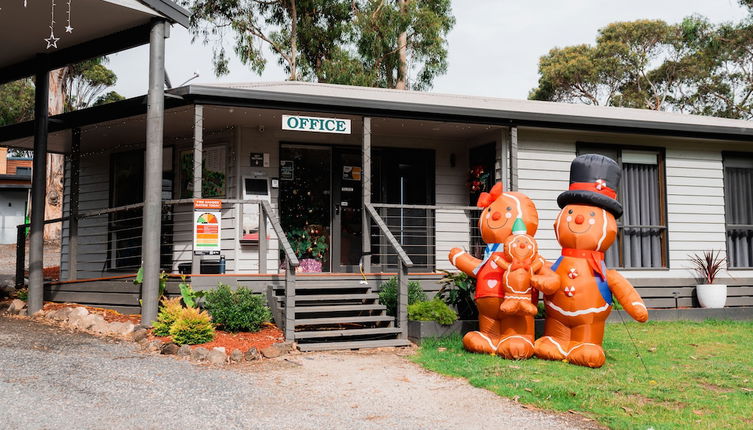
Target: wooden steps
338,312
328,346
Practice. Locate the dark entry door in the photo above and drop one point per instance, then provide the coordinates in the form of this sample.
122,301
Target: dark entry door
347,201
125,226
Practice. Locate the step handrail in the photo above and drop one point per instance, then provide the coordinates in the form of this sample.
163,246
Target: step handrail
291,263
404,262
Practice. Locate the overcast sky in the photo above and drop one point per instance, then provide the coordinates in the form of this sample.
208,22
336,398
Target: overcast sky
493,49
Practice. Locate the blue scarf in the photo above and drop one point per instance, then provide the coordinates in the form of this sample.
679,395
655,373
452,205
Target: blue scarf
488,251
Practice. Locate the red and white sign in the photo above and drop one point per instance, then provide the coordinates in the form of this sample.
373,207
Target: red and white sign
207,204
207,231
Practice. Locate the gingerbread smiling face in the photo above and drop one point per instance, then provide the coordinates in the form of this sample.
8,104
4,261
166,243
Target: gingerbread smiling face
500,212
585,227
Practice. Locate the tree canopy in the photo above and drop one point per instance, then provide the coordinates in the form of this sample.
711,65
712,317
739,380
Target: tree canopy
380,43
694,67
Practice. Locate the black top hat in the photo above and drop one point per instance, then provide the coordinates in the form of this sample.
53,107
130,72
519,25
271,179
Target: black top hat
593,181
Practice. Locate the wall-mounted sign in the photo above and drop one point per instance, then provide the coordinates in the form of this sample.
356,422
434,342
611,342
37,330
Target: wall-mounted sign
316,124
286,170
207,216
352,173
257,159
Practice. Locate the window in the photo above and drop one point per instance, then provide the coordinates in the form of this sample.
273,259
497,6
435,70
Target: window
738,209
642,230
23,171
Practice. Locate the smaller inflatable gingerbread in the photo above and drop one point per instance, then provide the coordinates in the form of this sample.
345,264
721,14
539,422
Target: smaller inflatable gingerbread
521,262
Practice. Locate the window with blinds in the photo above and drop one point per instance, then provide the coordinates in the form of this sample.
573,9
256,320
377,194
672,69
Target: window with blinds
738,209
642,230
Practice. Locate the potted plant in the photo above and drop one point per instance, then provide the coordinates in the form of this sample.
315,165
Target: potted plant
707,266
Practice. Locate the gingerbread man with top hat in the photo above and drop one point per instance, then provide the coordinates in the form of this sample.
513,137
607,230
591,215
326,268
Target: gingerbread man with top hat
585,228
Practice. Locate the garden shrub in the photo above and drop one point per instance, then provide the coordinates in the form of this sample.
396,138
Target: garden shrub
239,310
459,291
192,327
388,294
434,310
169,311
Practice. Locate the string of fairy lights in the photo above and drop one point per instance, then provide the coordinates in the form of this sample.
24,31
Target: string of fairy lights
52,40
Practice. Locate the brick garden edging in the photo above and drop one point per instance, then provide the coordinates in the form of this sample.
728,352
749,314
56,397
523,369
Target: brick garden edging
79,318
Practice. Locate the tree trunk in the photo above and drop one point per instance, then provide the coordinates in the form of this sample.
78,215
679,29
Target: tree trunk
402,72
55,162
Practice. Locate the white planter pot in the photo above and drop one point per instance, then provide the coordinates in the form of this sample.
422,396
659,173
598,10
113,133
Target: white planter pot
711,295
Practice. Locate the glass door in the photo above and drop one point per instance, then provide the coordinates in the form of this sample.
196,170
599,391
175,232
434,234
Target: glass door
305,203
347,202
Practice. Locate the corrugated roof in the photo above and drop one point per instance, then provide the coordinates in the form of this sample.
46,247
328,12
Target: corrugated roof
534,108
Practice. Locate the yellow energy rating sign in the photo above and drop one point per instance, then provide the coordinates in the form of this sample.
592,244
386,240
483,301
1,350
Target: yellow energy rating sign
207,226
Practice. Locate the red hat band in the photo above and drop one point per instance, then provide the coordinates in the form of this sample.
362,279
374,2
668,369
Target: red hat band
599,186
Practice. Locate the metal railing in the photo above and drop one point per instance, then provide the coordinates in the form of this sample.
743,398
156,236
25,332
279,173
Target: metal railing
403,264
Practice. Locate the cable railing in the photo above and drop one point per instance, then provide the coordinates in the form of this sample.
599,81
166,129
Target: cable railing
426,233
403,264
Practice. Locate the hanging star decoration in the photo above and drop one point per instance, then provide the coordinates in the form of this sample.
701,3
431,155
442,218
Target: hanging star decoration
52,41
68,28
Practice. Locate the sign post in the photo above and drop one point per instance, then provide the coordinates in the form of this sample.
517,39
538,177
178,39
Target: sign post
207,226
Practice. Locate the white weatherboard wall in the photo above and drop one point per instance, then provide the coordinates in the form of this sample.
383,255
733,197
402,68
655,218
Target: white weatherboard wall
694,181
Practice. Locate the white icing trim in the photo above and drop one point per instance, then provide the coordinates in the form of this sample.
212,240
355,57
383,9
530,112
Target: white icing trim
562,351
557,226
491,344
578,312
455,258
517,205
519,298
639,304
517,336
603,230
559,347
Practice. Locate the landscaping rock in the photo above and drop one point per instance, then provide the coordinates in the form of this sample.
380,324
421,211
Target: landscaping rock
217,356
236,356
277,350
100,327
23,312
154,346
61,314
39,314
184,351
139,335
16,306
78,312
7,288
252,354
121,328
169,349
199,354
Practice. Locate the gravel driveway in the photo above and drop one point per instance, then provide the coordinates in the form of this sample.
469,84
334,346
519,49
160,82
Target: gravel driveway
53,378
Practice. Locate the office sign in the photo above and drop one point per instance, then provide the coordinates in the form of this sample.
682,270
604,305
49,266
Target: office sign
316,124
207,229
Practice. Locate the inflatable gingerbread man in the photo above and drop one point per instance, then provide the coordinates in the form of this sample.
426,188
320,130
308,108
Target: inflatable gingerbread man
585,228
508,335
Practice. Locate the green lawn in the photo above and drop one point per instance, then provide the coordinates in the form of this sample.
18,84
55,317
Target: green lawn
700,376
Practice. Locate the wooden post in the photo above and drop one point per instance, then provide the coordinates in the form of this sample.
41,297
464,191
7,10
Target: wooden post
263,242
366,196
155,122
513,159
198,160
75,168
290,302
38,190
402,298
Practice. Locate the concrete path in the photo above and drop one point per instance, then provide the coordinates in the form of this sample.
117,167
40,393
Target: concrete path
54,378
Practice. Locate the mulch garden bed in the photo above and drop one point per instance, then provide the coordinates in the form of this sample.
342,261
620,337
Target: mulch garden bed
243,341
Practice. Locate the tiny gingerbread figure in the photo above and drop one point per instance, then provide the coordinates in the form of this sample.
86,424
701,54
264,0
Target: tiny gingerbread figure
520,263
585,228
510,336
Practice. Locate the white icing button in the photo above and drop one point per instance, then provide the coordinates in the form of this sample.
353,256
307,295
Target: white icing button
491,283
